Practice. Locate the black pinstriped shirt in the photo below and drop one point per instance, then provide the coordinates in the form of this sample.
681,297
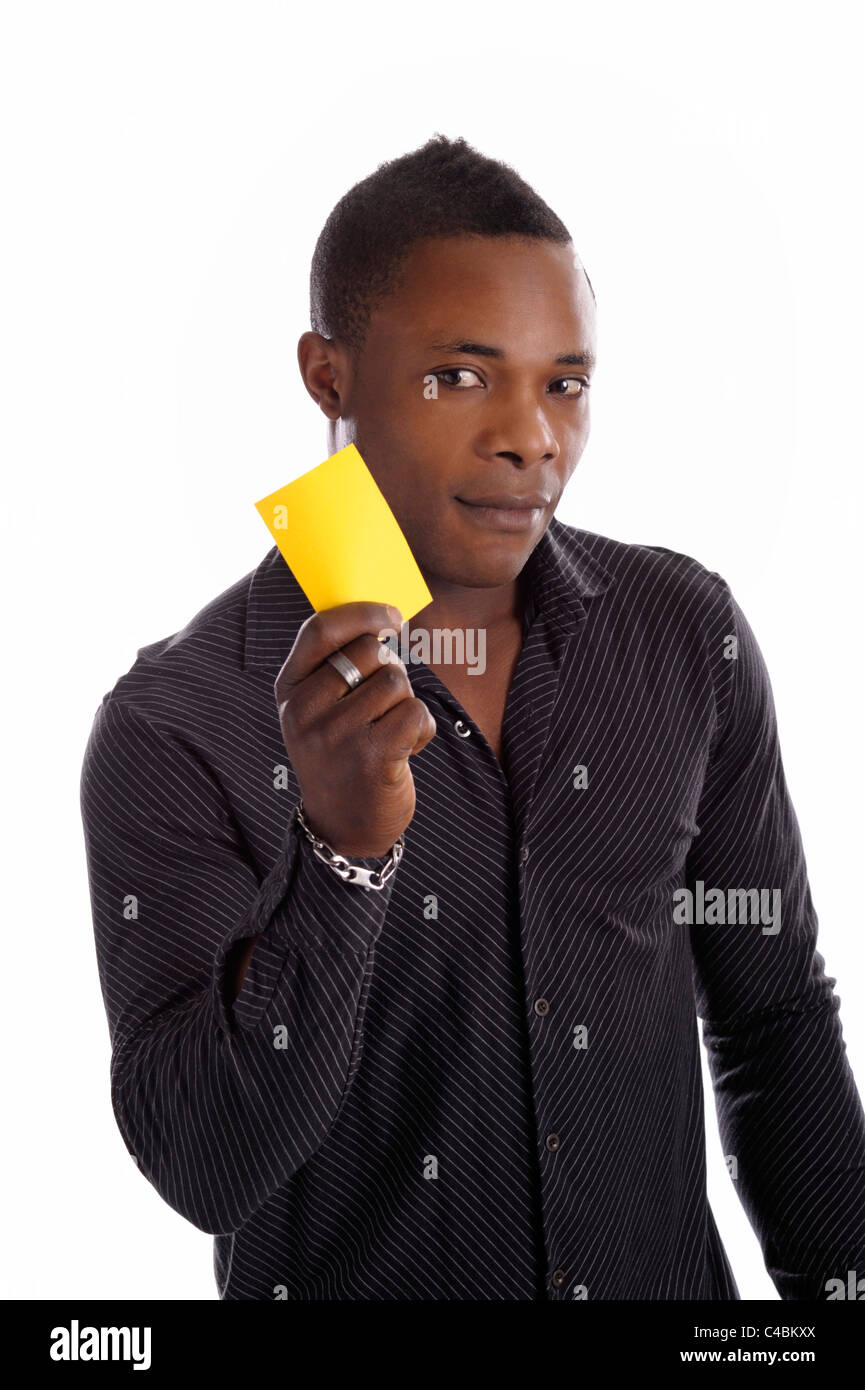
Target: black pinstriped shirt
482,1082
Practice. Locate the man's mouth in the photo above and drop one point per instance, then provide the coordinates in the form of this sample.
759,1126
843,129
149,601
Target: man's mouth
505,511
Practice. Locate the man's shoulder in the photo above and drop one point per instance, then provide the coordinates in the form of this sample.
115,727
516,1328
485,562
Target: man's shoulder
188,706
202,659
636,572
215,632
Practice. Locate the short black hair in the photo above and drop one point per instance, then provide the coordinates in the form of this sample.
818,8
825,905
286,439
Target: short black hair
444,188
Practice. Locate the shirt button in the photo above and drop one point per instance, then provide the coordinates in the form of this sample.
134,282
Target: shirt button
524,854
542,1007
553,1141
559,1277
462,729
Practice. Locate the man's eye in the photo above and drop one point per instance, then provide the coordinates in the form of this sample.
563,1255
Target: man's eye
578,381
455,371
578,384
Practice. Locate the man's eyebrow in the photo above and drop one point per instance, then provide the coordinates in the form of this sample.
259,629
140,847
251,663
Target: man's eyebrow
566,359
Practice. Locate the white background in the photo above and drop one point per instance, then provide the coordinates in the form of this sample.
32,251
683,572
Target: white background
166,169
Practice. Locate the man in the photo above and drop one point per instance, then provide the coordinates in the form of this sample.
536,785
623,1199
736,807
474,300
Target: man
474,1073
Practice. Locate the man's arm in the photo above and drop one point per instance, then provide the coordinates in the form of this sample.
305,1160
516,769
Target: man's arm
219,1098
787,1105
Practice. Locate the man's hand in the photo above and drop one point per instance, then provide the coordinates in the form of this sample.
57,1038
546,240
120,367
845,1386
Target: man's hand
350,748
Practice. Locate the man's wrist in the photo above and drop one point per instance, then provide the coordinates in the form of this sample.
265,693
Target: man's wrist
366,871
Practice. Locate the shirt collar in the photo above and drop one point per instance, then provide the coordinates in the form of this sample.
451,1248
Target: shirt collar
559,573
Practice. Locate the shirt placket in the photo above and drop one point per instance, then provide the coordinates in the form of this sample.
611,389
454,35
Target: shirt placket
525,728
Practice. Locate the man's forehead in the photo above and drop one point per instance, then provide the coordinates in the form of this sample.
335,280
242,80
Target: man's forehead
489,254
447,293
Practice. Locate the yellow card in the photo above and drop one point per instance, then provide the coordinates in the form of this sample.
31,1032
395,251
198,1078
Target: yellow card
340,539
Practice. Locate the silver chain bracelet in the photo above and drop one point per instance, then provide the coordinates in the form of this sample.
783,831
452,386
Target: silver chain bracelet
352,873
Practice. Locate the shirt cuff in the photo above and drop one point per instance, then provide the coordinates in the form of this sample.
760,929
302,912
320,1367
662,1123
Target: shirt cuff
302,905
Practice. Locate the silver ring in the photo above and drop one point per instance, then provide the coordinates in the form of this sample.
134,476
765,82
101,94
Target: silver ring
346,668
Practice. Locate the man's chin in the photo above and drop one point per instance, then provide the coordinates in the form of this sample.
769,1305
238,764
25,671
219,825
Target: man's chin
474,570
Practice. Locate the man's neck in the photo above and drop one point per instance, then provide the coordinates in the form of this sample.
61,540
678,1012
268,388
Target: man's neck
474,608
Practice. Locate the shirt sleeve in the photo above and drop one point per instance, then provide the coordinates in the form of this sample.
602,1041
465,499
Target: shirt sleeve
218,1102
789,1114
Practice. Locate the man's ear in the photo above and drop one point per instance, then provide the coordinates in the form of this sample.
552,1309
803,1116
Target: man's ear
326,370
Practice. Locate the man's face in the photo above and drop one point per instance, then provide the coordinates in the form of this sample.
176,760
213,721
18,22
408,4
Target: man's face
439,425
